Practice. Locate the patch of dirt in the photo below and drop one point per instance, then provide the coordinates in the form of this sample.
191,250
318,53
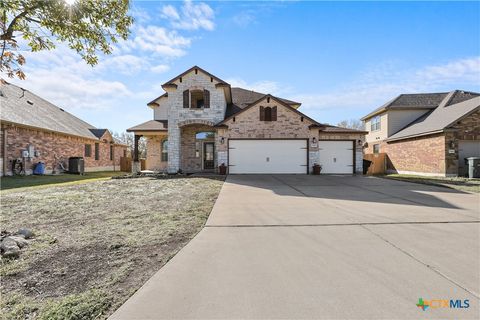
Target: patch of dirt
107,235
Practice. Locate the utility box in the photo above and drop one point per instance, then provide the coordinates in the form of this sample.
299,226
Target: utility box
76,165
473,167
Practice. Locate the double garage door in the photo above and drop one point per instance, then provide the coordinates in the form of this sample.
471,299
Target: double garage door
287,156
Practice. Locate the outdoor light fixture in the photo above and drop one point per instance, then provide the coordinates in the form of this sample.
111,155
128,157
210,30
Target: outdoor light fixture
452,144
222,140
314,140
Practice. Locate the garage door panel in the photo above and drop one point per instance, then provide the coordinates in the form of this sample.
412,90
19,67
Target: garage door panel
267,156
336,157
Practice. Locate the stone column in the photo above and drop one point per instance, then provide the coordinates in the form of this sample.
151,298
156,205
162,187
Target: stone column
174,143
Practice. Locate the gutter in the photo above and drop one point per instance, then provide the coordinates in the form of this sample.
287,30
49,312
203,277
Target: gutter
415,135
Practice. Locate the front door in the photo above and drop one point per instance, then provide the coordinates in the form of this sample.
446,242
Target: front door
208,155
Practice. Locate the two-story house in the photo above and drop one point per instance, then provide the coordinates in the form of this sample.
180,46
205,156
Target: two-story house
201,123
426,133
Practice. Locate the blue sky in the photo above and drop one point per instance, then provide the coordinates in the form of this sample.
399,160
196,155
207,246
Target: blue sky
340,59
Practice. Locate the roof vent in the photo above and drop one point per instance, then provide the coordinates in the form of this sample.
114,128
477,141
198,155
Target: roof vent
30,102
61,109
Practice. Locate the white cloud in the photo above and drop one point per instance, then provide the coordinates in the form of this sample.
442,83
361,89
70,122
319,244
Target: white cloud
243,19
161,68
158,40
377,86
264,86
191,17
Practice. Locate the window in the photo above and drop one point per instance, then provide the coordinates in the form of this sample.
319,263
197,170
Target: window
268,113
376,148
111,152
375,123
88,150
97,151
165,150
196,99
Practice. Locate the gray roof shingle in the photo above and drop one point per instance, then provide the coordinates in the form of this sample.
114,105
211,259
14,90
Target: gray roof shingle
151,125
440,118
22,107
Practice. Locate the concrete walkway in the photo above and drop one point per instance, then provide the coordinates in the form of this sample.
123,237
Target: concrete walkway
329,247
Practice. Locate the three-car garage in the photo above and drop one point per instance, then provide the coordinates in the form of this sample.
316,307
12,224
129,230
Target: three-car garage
288,156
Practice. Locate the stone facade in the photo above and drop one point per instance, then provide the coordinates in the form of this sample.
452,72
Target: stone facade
176,112
49,144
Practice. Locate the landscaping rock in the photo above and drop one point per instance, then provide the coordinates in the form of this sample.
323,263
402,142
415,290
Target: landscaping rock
26,233
21,242
9,248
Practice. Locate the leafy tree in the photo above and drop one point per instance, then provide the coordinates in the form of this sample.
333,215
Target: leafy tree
351,124
86,26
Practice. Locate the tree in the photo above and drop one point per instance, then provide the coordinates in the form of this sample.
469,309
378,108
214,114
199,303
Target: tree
351,124
129,139
86,26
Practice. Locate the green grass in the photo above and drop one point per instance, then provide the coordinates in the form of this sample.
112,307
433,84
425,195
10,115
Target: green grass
457,183
31,181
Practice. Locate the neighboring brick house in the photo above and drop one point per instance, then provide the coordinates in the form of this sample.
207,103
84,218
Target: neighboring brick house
427,134
201,123
50,135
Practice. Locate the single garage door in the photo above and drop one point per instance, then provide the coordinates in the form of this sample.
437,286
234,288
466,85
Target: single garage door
466,149
336,156
267,156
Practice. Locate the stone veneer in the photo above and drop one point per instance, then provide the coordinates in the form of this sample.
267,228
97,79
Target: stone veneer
64,146
189,161
176,112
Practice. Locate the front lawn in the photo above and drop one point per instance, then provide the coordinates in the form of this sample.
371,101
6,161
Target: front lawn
96,243
458,183
31,180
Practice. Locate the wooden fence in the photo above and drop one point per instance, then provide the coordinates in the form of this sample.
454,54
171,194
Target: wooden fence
126,164
379,163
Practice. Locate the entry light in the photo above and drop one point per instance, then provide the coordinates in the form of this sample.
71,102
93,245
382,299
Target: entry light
222,140
314,140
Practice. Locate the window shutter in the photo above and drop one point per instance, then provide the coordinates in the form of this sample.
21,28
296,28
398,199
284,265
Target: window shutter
262,113
186,95
274,113
206,98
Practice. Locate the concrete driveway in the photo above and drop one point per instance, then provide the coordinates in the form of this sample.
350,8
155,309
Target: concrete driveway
328,247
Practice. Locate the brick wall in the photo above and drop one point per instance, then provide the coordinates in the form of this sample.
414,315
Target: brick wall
189,160
154,153
422,154
48,144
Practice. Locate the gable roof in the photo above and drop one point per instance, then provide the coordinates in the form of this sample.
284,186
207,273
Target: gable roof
280,101
152,125
242,98
22,107
423,101
440,118
171,81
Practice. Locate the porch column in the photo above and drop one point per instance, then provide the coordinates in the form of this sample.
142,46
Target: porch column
174,143
136,163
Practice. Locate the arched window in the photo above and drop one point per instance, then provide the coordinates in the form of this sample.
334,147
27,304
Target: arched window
165,150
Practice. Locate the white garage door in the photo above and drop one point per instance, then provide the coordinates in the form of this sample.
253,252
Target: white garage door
336,156
466,149
267,156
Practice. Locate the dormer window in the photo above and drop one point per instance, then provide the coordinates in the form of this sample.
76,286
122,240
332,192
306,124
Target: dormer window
196,99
